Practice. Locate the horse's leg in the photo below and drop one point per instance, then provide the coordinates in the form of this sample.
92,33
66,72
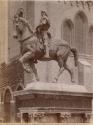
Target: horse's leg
60,63
24,59
32,65
70,72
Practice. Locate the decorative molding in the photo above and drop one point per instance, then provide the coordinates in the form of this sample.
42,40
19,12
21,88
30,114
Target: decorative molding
78,3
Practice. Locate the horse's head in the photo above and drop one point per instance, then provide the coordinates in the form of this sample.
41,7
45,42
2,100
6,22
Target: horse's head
19,27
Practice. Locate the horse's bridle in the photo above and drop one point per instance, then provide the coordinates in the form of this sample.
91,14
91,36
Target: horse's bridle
26,39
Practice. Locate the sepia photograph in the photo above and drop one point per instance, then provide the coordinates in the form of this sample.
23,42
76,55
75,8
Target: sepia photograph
46,61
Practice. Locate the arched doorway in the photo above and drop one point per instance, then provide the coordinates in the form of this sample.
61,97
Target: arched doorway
7,106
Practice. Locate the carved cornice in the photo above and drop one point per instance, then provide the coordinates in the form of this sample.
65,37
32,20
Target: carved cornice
78,3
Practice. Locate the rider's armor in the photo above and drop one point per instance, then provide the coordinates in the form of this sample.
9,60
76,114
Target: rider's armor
43,27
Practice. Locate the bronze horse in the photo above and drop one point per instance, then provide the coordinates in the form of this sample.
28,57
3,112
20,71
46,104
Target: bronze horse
32,48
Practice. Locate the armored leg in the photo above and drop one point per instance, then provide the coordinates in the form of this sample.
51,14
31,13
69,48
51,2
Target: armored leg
46,51
46,46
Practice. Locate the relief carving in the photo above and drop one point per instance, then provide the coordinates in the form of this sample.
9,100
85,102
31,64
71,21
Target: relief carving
64,115
37,115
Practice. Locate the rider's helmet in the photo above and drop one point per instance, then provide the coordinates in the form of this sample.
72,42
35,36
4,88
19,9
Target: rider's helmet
43,12
20,12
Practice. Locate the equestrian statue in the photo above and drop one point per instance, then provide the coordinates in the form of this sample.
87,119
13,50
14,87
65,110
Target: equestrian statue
39,45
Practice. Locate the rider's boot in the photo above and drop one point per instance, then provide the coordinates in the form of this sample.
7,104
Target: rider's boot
46,48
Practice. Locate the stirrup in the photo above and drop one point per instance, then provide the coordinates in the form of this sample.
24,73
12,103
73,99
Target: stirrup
35,61
46,55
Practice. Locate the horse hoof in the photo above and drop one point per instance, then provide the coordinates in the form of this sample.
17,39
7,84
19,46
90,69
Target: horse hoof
73,81
55,80
37,80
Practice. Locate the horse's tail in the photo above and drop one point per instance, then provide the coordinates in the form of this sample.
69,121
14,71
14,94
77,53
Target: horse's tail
75,53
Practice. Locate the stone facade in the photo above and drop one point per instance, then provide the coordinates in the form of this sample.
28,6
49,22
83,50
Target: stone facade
71,21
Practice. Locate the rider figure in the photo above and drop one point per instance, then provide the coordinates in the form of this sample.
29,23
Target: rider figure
43,27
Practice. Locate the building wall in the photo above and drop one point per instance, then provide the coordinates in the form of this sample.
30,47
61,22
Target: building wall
3,32
58,13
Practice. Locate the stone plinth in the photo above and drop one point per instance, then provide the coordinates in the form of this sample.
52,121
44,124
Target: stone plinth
53,99
56,87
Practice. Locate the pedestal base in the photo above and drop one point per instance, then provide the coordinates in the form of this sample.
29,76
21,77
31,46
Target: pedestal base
55,100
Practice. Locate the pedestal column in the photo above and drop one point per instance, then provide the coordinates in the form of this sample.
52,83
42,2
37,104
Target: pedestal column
12,110
1,111
91,116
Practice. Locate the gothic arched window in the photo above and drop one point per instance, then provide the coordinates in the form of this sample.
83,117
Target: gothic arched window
80,31
90,42
68,30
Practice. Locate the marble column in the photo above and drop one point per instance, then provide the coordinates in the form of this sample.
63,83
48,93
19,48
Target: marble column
12,110
1,111
91,117
21,117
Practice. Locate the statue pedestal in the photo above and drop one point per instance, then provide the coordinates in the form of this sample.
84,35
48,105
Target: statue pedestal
53,102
